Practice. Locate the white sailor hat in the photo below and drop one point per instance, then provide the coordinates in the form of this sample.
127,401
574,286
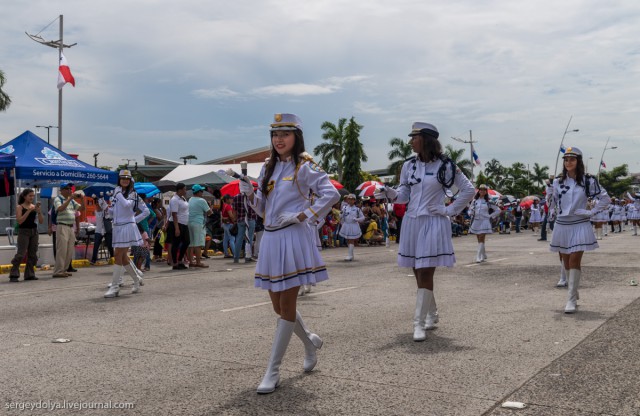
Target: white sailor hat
284,121
125,173
424,129
350,196
573,152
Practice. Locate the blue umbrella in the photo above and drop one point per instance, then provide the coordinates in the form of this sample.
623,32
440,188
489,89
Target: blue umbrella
146,188
96,188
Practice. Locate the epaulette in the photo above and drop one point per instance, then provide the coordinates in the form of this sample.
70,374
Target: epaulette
306,157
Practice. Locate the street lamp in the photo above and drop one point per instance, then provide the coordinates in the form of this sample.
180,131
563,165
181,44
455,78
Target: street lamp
602,157
566,130
95,159
48,128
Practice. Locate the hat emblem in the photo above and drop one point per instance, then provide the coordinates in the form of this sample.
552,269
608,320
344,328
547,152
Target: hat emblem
278,117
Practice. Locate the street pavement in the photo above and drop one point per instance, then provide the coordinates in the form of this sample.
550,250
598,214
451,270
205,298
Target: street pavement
197,342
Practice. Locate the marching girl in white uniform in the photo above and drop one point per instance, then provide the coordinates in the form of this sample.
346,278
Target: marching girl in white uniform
535,216
289,258
425,241
482,211
634,212
572,235
125,203
350,218
616,217
600,220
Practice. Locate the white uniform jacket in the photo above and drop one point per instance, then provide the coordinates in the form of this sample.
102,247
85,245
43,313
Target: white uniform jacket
289,192
569,199
351,214
479,210
123,208
425,195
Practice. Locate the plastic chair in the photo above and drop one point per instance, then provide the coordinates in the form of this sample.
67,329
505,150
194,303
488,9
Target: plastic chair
10,236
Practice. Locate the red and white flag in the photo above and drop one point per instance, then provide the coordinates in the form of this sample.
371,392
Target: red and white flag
64,73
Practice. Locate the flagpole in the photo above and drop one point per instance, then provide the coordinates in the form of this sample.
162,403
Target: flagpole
470,142
61,45
566,130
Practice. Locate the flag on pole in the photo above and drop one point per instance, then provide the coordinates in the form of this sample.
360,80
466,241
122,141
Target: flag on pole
562,149
64,73
475,155
603,164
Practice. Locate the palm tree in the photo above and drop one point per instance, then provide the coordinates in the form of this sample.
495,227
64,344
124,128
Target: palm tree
540,174
400,150
330,152
465,165
5,100
353,155
494,169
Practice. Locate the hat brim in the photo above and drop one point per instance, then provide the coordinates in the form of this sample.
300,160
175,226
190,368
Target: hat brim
284,128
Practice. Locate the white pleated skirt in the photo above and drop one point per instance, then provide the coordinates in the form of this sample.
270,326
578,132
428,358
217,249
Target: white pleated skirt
602,216
289,258
479,226
535,217
425,241
572,234
350,231
126,235
634,215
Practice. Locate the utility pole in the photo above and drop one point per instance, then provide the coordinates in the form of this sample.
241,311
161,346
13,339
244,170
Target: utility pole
470,142
57,44
95,159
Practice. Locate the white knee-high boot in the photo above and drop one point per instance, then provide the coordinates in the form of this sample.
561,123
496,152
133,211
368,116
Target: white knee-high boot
138,271
281,339
635,230
312,342
574,284
432,313
136,280
114,287
479,253
423,303
483,252
350,255
563,276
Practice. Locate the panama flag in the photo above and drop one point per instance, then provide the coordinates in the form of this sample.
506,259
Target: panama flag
562,149
64,73
475,155
603,164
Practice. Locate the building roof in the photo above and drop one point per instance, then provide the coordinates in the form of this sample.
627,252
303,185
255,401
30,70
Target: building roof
152,160
236,157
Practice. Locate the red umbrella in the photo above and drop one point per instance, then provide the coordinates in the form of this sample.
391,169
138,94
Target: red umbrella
337,184
493,193
233,188
366,184
369,190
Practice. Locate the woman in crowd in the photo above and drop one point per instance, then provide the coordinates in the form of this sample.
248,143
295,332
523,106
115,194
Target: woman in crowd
482,212
27,213
228,219
198,210
535,216
572,235
128,209
425,241
289,258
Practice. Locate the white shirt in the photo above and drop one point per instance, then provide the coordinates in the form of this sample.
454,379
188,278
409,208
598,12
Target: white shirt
287,195
123,208
351,214
479,210
569,199
178,205
420,188
100,215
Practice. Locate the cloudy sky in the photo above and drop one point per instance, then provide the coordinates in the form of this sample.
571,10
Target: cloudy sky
204,77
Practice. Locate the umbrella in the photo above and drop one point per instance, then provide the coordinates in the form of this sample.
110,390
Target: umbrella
146,188
493,193
165,185
508,199
343,192
366,184
96,188
369,190
233,188
337,184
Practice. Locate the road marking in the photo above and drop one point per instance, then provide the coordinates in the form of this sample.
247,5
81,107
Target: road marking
255,305
488,261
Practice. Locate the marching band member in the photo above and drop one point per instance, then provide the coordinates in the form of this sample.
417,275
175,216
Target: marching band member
535,216
425,241
634,211
482,212
350,218
288,257
127,210
572,235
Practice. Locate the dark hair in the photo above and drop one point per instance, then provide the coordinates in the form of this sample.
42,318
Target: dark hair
180,186
23,195
128,189
431,148
579,171
216,194
486,195
298,147
143,196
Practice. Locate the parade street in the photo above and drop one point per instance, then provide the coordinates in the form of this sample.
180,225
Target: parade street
196,342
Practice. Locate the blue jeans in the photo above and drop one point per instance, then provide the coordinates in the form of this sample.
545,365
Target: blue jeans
228,240
240,238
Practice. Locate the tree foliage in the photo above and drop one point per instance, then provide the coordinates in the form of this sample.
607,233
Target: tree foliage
400,151
330,152
5,100
463,164
616,181
353,156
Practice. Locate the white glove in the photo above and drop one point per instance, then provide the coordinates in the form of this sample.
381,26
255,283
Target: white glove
246,188
441,210
583,212
287,218
384,192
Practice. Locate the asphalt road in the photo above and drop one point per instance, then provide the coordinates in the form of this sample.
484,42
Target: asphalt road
197,342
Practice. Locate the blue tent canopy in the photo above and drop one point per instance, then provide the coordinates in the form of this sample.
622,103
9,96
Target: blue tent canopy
38,163
7,161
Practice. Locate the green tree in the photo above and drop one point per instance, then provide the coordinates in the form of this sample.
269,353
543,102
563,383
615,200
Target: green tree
400,150
617,181
330,152
481,178
540,174
455,155
353,155
5,100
